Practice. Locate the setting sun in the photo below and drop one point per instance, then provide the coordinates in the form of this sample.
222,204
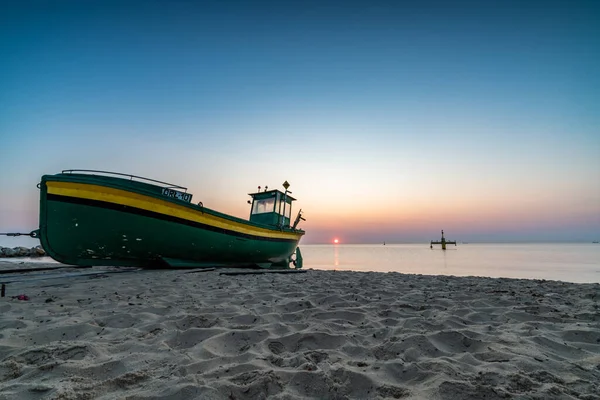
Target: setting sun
336,241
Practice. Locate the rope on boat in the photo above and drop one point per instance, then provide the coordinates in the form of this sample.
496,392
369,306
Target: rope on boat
33,234
270,271
43,277
27,270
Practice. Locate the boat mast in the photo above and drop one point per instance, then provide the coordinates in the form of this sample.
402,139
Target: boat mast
286,185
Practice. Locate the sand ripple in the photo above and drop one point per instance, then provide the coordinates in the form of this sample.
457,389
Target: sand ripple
323,334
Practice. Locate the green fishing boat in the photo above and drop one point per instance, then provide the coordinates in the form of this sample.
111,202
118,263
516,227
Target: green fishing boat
92,218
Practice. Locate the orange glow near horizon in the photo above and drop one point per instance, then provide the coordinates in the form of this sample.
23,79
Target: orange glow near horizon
336,240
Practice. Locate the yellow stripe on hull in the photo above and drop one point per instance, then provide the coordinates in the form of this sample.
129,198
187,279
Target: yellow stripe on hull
149,203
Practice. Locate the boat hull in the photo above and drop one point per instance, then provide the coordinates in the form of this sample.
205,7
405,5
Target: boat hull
89,221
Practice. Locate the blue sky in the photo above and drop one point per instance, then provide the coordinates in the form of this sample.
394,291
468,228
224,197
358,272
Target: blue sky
391,120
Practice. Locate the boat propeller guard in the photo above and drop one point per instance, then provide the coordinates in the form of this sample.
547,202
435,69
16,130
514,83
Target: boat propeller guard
297,261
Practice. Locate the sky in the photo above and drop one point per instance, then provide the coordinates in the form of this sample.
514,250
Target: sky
391,120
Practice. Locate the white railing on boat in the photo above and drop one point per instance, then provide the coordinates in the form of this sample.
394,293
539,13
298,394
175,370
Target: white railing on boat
131,177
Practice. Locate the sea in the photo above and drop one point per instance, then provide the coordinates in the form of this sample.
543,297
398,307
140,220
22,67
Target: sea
568,262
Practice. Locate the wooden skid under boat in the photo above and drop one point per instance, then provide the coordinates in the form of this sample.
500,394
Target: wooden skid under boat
102,218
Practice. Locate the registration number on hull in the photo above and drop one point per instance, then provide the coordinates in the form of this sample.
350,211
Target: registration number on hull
177,194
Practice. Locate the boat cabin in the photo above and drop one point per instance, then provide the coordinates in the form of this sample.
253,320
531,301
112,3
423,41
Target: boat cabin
271,207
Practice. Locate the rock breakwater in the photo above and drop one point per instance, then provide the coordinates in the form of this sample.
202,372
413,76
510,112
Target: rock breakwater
21,251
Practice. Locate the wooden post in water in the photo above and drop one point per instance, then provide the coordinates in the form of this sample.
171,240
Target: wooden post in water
443,242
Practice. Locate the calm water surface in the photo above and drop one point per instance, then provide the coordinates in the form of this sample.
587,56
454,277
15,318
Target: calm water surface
565,262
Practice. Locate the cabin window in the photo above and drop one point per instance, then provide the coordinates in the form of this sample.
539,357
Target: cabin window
281,204
264,206
288,209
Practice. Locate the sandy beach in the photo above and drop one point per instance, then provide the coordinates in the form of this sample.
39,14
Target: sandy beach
320,334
